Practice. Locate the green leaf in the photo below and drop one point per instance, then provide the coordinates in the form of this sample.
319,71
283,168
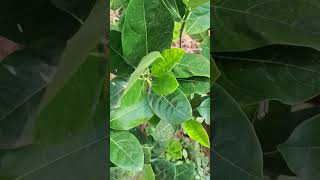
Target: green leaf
205,48
165,84
232,133
173,108
117,86
199,85
163,131
20,96
199,20
117,173
197,133
140,31
117,4
118,65
301,150
194,3
273,72
41,20
170,58
214,71
174,149
125,118
78,47
125,151
133,94
204,110
185,171
79,151
164,170
243,26
192,65
172,6
54,123
145,62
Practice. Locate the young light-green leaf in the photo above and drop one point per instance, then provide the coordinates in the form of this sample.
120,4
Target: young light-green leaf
145,62
173,108
170,58
165,84
126,151
197,133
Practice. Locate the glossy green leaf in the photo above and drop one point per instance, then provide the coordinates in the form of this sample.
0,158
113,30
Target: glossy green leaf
125,118
125,151
173,108
172,6
133,94
185,171
198,85
143,65
194,3
192,65
117,86
170,58
301,150
78,47
232,133
164,170
54,123
140,31
204,110
197,133
248,25
273,72
165,84
163,131
199,20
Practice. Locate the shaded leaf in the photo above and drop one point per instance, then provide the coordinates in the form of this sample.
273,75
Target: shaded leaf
164,170
185,171
232,134
117,86
199,20
163,131
204,110
198,85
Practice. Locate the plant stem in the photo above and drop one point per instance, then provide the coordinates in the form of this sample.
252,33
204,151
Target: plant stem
184,20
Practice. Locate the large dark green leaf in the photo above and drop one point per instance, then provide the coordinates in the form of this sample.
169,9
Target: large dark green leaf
23,77
28,21
118,65
172,6
125,118
117,173
173,108
78,47
244,25
125,151
185,171
55,161
236,151
69,112
164,170
273,72
140,33
302,150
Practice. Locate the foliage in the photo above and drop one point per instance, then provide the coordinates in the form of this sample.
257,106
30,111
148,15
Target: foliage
159,96
268,56
52,105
